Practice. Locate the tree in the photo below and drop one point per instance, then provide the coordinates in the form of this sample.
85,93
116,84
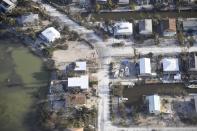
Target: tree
179,4
132,6
156,39
65,30
110,4
157,18
118,90
158,5
98,7
68,10
191,41
7,20
150,55
181,38
142,15
11,21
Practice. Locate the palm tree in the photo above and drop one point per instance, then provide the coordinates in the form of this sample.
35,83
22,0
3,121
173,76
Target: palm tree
98,7
181,38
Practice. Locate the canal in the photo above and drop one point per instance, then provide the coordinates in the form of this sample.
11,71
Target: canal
140,15
136,93
22,77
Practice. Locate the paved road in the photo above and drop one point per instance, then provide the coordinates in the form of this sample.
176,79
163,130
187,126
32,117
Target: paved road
105,54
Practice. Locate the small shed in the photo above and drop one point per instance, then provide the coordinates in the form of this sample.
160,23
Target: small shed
154,104
170,64
145,66
80,66
145,27
50,34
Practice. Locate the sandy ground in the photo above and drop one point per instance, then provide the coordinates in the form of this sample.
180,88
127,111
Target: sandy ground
76,51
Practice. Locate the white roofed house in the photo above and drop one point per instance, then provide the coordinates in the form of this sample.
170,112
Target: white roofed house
170,64
190,26
7,5
154,104
123,29
171,70
82,82
145,27
50,34
145,66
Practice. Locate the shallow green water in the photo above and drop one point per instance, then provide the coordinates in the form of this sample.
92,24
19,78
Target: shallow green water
21,77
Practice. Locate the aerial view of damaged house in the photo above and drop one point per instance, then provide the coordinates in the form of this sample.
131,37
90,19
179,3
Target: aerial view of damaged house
98,65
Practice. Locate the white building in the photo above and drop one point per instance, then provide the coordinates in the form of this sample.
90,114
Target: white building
123,29
7,5
145,27
154,104
123,2
50,34
82,82
145,66
190,25
80,66
170,65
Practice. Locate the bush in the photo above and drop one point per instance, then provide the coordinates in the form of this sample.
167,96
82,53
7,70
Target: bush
132,6
65,30
181,38
191,41
73,36
93,83
118,44
48,52
117,90
71,74
62,47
